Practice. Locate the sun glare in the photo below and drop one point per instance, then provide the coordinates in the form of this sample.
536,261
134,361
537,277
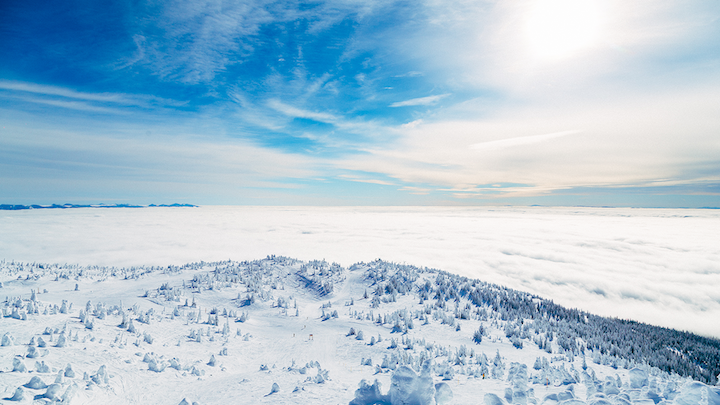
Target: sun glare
558,28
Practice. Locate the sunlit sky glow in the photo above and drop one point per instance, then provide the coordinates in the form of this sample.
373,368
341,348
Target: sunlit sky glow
550,102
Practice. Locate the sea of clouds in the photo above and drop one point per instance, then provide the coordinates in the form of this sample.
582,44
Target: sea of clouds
660,266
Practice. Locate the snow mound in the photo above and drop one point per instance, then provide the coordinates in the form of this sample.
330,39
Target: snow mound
7,340
407,388
696,393
492,399
368,394
35,383
53,392
18,396
41,367
157,366
62,341
443,393
18,366
101,377
638,378
69,371
32,353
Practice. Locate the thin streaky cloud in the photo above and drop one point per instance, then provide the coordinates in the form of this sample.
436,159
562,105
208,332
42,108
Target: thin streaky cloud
521,140
295,112
410,74
62,92
366,129
116,98
73,105
365,180
419,101
416,190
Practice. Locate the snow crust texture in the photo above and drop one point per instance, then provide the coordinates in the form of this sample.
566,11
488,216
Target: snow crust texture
283,331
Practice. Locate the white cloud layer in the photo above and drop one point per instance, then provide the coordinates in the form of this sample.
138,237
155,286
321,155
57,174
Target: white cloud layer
638,141
656,266
171,161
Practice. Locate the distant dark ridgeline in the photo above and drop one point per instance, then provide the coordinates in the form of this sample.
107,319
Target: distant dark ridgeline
16,207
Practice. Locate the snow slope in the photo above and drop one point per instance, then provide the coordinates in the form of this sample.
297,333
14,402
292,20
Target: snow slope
284,331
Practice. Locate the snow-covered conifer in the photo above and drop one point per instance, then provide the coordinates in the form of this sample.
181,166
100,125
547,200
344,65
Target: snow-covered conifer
18,366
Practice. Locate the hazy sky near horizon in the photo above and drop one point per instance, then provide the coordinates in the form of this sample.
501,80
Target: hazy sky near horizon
553,102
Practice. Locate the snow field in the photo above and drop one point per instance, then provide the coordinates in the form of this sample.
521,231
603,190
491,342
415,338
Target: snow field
279,331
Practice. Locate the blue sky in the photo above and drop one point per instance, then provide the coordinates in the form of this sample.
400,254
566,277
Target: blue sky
550,102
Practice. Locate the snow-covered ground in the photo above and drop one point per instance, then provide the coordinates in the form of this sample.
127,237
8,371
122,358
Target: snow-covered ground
289,332
660,266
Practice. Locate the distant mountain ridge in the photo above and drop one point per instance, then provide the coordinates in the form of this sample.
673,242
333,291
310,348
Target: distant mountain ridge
17,207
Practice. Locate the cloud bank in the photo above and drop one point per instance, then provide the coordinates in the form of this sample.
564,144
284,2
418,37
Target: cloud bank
656,266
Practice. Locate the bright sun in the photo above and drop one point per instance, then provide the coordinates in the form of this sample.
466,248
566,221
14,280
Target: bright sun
558,28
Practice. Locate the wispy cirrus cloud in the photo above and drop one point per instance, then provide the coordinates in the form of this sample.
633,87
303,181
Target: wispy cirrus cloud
413,73
73,105
349,134
195,42
359,179
522,140
83,101
301,113
192,42
65,92
429,100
